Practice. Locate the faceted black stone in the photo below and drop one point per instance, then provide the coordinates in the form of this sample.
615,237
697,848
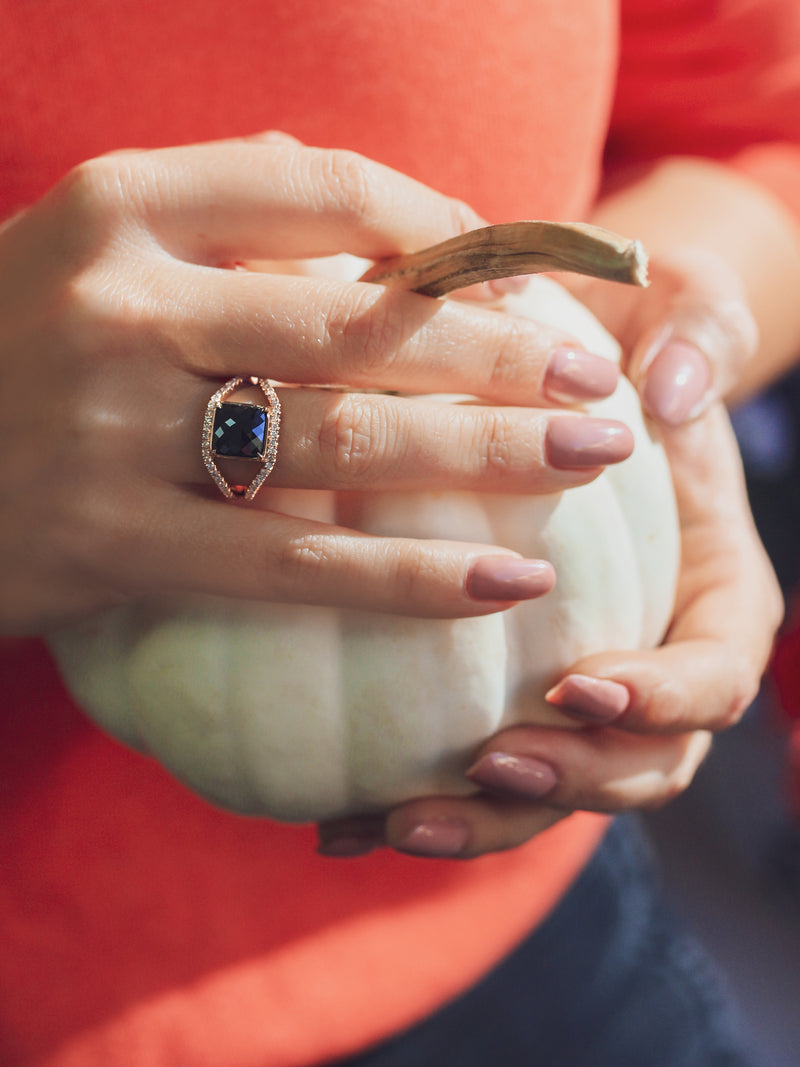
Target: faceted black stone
240,431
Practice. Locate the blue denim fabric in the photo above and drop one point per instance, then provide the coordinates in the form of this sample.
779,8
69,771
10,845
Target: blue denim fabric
609,980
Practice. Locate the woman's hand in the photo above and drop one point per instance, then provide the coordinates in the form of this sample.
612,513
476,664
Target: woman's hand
118,322
687,339
725,264
646,718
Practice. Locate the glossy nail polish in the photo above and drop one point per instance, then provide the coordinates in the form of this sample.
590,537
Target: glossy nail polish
522,776
573,376
576,442
443,837
509,578
594,700
676,382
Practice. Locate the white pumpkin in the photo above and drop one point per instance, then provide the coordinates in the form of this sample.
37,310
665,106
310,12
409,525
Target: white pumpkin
304,713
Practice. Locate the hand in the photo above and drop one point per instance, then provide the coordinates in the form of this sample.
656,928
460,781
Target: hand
686,339
118,321
646,717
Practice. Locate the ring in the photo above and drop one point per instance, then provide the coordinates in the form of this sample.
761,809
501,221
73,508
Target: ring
241,431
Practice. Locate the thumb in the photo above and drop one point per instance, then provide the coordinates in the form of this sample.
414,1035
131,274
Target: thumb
697,349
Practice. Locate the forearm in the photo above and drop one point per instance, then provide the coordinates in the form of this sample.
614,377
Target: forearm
690,202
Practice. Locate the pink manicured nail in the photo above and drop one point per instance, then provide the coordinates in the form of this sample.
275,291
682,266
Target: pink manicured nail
573,375
443,836
595,700
574,442
523,776
676,381
509,578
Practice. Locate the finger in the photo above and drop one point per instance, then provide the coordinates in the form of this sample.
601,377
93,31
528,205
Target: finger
351,836
263,197
341,440
728,607
680,686
463,828
696,351
440,827
211,546
602,770
320,331
709,671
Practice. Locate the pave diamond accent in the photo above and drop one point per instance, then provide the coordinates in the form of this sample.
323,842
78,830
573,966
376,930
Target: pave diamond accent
245,431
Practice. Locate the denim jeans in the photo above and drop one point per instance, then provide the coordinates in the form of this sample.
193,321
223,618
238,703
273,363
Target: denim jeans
609,980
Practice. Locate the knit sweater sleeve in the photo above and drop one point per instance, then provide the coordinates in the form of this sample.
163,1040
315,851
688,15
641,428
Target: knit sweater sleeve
713,78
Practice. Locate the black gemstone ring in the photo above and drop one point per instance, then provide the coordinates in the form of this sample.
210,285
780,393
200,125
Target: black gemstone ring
241,431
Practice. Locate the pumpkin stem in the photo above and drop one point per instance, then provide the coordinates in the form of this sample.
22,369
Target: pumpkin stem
510,249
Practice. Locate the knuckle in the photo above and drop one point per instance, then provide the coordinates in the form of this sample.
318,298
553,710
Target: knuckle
78,541
97,312
296,567
496,446
93,537
674,786
661,799
80,311
356,188
692,750
365,334
306,567
85,323
87,178
349,183
743,683
97,307
508,347
353,439
103,201
415,575
665,706
695,748
96,187
272,138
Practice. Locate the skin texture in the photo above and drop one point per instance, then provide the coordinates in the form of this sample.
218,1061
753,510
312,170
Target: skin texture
118,306
120,309
700,681
723,250
719,319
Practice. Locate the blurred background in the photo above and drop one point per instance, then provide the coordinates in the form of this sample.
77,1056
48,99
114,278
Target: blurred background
730,846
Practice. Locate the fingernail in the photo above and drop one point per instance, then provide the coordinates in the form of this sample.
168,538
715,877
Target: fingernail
596,700
676,381
516,284
509,578
346,847
575,442
524,776
573,375
443,837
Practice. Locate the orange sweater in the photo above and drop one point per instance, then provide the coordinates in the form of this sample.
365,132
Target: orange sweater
139,925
